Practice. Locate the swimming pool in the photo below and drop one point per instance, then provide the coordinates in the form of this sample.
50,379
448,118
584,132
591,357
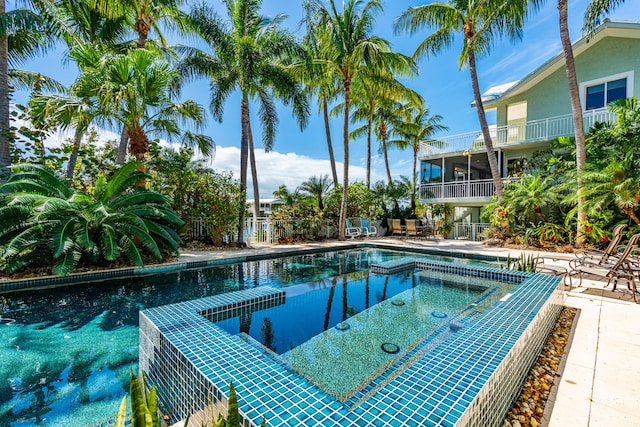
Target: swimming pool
66,352
342,334
469,377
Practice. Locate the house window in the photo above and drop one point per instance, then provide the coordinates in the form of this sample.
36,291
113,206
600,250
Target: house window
600,93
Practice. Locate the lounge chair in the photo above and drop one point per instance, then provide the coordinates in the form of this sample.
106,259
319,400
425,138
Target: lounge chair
367,229
397,229
351,231
599,257
621,266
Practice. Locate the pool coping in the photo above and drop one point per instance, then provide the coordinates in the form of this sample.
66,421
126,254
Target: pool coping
461,390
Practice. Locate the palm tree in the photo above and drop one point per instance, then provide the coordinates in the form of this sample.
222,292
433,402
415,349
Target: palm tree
143,16
138,91
23,35
245,54
350,49
415,126
316,80
373,93
576,109
596,10
317,187
79,25
479,23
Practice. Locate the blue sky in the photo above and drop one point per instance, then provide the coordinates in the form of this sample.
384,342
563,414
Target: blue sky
447,90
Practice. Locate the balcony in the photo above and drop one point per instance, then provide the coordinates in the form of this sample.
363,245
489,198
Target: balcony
475,190
533,131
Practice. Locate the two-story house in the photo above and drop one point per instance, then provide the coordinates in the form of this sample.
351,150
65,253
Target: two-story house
529,113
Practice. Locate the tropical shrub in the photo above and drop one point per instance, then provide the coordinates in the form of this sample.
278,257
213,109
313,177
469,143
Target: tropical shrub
44,221
360,201
198,193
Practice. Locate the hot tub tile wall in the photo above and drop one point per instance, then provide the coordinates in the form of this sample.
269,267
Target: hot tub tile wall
469,380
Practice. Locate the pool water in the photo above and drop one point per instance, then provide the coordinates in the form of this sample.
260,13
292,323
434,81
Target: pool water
342,334
66,352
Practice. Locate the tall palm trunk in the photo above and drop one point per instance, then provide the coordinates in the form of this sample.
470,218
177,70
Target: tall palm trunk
73,158
488,143
327,130
369,128
414,179
244,154
383,138
5,137
576,109
122,146
254,174
342,223
142,28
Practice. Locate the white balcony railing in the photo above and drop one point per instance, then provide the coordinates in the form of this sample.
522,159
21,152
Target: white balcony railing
533,131
481,188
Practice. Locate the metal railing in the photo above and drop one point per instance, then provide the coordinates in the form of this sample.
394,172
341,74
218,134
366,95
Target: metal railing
482,188
469,231
533,131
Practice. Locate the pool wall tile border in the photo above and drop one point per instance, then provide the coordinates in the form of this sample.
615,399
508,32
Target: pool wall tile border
471,379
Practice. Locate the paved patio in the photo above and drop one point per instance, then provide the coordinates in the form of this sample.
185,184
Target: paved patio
600,383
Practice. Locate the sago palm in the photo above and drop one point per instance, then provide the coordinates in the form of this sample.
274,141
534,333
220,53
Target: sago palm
44,218
245,53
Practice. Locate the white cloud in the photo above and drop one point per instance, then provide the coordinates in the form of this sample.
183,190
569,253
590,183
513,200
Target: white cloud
290,169
274,168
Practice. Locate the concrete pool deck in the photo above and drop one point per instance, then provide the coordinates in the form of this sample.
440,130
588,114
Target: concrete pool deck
600,383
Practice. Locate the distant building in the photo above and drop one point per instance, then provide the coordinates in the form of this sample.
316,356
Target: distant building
267,206
529,114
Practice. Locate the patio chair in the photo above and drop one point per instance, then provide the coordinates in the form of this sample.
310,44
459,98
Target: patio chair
412,228
617,267
367,229
351,231
397,229
598,257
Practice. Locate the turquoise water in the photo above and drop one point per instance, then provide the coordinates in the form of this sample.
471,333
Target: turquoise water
66,352
342,334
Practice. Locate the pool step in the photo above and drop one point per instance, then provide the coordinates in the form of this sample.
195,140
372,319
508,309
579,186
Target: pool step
393,266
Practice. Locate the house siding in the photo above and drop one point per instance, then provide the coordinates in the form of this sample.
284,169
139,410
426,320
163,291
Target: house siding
550,98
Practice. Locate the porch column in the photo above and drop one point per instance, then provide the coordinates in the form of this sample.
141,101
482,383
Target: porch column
442,179
467,154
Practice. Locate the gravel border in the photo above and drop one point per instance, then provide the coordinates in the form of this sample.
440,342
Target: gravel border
534,405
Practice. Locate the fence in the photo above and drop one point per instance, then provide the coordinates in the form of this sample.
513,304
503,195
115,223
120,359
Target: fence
266,230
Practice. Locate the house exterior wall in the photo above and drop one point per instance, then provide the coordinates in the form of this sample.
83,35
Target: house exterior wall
550,97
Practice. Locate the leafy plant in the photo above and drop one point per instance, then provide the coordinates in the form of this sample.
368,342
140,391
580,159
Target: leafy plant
144,406
44,220
526,262
197,192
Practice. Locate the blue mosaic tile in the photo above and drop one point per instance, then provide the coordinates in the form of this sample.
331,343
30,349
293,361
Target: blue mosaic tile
180,348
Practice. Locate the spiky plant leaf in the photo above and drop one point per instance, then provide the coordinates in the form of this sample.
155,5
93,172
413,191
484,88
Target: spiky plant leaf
121,415
67,262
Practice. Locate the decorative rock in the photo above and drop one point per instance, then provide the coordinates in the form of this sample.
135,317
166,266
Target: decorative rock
528,409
